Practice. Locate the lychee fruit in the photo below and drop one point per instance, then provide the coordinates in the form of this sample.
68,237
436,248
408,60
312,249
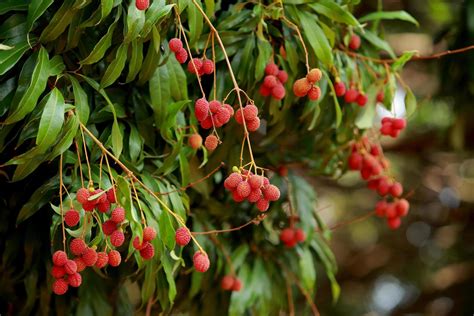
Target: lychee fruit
182,236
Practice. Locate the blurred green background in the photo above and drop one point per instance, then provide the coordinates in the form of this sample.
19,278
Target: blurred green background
426,267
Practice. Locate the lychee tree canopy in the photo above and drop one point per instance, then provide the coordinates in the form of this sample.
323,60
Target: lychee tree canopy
105,67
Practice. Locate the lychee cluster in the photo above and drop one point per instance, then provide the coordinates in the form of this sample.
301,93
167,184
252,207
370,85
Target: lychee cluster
95,199
291,236
176,46
200,259
249,114
352,95
212,113
256,189
200,66
369,160
144,246
273,82
392,126
306,86
65,273
231,283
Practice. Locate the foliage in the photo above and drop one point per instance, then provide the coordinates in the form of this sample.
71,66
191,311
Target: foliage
107,67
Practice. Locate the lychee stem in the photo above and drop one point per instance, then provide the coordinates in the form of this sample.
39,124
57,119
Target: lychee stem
79,162
85,153
61,199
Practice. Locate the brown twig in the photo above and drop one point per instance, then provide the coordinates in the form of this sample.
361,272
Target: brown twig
255,221
345,223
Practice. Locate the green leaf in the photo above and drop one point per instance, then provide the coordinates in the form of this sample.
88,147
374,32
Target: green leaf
390,15
60,21
365,119
136,60
21,107
167,266
264,53
307,269
56,66
51,121
135,143
22,171
184,169
334,12
117,139
116,66
70,130
150,63
9,58
337,107
36,8
410,102
38,199
195,22
378,42
10,5
80,100
135,22
154,14
105,8
402,60
104,43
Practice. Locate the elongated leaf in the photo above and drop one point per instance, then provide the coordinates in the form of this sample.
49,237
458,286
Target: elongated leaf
167,266
104,43
105,8
51,121
378,42
14,26
150,64
10,5
402,60
334,12
154,14
410,103
80,100
135,22
70,130
307,270
135,143
117,139
195,22
21,107
264,52
60,21
38,199
9,58
36,8
390,15
56,65
116,66
136,60
337,107
22,171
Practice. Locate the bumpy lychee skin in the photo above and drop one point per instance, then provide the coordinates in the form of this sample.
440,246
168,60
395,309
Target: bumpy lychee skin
271,69
237,197
108,227
399,123
300,235
182,236
59,258
253,125
103,207
232,181
60,287
89,257
82,195
201,109
101,198
181,56
314,93
114,258
89,206
256,181
270,81
271,193
287,235
229,109
254,196
278,92
149,233
239,116
117,238
354,42
314,75
396,189
195,141
112,195
102,259
351,95
175,45
355,161
401,207
250,112
214,106
227,282
207,122
362,99
223,115
81,266
380,208
237,286
58,272
340,88
77,246
243,189
211,142
71,217
301,87
282,76
195,65
74,280
263,205
137,244
394,223
207,67
70,267
118,215
201,261
264,91
148,251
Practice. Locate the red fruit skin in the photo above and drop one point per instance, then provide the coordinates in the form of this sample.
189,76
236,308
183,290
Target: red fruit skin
375,150
243,189
149,233
60,287
207,67
223,115
118,215
70,267
59,258
396,189
237,286
89,257
383,187
117,238
108,227
254,196
104,206
237,197
351,95
300,235
101,198
80,264
82,195
206,123
314,93
256,182
77,246
227,282
270,81
399,123
365,173
380,96
301,87
114,258
354,43
263,205
214,106
386,129
181,56
148,251
355,161
239,116
278,92
253,125
229,109
287,235
271,193
250,112
232,181
314,75
137,244
394,133
271,69
390,211
102,259
142,4
291,243
394,223
402,206
195,65
201,109
112,195
264,91
340,88
380,208
373,184
58,272
182,236
88,206
71,218
201,261
282,76
175,45
211,142
362,99
74,280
